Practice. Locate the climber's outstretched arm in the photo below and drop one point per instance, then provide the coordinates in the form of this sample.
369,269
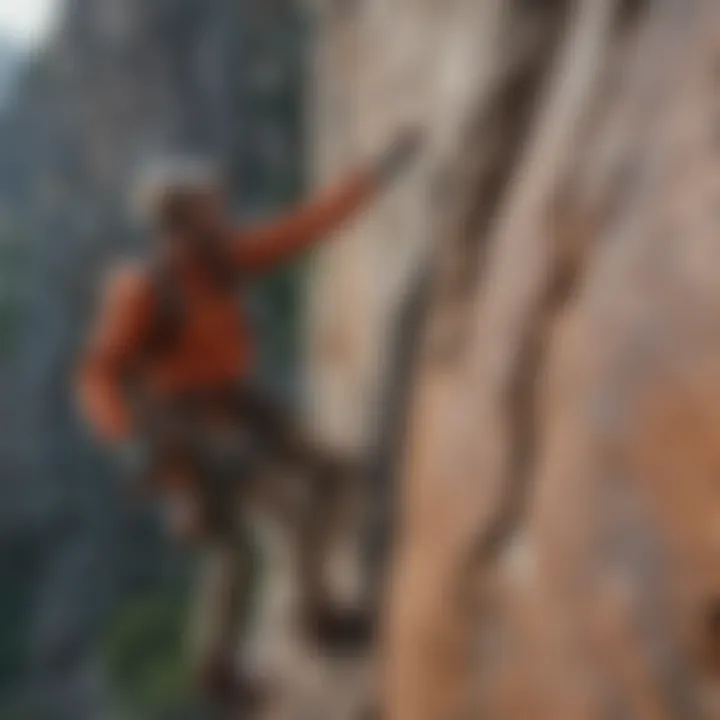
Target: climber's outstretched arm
260,249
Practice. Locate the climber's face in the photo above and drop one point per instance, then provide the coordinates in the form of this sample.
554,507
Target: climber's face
207,217
197,222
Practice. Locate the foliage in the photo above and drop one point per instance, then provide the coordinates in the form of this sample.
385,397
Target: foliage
145,657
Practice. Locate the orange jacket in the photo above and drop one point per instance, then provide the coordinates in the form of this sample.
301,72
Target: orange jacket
215,347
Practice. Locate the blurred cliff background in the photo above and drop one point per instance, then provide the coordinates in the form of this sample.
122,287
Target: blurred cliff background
91,596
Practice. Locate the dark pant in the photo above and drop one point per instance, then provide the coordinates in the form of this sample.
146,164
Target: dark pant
239,448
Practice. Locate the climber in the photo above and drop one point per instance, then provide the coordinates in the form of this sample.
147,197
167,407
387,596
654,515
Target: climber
166,380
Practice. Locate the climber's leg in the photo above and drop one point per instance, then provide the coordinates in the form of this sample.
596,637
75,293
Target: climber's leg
316,497
221,619
328,516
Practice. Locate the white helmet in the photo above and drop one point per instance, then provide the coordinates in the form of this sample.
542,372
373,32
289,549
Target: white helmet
163,179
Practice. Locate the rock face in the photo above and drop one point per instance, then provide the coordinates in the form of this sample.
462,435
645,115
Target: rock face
556,548
556,540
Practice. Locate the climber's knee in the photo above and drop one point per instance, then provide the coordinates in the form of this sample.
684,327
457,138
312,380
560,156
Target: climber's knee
184,518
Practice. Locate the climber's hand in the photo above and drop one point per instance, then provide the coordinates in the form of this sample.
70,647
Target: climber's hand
399,154
133,456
